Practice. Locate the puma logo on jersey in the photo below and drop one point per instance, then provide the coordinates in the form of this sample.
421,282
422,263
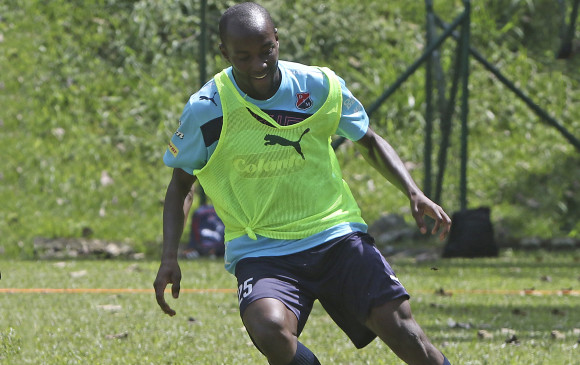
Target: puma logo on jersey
272,140
395,279
203,97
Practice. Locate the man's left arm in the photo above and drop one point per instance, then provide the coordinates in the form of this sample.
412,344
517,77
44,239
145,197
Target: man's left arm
382,156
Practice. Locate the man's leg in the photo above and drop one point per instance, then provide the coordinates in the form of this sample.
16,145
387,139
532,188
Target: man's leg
396,327
273,328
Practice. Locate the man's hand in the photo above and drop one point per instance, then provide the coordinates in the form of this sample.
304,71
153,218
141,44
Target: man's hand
173,222
421,206
169,273
381,155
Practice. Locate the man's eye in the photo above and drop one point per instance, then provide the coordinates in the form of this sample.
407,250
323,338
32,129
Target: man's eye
269,51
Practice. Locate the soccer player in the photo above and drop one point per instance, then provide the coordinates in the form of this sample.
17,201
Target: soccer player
257,137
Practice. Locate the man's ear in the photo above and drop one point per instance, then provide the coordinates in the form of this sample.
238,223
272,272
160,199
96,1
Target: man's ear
224,52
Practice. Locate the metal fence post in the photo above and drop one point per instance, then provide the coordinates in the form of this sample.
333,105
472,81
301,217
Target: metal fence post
410,70
573,140
203,44
566,46
464,102
203,69
447,125
428,147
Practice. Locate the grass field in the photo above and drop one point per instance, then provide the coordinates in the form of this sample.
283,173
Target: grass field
104,312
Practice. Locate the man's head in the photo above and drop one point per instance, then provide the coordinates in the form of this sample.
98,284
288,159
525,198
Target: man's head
250,43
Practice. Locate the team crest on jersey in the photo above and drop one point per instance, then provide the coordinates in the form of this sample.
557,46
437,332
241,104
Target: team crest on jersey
303,101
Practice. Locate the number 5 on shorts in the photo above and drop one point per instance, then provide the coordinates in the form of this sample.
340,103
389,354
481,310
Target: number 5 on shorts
244,289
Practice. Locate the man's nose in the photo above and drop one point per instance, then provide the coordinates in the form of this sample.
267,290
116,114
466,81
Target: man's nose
260,65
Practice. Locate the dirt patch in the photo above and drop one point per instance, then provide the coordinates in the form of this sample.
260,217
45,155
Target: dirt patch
60,248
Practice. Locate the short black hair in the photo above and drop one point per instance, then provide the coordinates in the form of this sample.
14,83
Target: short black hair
244,14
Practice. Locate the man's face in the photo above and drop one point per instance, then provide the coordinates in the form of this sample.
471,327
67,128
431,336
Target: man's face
253,54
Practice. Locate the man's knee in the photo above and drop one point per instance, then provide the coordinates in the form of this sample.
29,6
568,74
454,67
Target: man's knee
398,328
393,315
269,317
272,327
393,322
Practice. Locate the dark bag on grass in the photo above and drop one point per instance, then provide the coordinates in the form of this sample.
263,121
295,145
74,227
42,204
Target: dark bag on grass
207,232
471,235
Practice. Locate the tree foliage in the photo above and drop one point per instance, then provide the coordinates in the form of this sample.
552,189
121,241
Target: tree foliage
92,91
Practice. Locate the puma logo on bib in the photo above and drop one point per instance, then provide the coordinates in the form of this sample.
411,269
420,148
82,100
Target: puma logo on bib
272,139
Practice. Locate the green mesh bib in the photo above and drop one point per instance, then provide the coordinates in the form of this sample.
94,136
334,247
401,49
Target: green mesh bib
282,182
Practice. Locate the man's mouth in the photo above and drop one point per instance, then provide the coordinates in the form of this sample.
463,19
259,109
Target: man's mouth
261,76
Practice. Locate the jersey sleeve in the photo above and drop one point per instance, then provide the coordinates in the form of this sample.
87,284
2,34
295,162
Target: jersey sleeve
186,149
354,120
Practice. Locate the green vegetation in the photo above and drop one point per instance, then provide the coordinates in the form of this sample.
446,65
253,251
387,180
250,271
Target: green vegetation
128,327
90,93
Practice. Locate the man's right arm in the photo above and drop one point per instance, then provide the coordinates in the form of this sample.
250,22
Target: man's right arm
173,224
187,152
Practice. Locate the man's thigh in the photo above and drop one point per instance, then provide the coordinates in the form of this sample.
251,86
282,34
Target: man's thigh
267,277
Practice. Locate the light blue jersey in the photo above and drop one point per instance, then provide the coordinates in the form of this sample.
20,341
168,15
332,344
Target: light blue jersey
302,91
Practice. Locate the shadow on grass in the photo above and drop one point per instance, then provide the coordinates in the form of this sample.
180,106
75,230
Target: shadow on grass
533,320
499,263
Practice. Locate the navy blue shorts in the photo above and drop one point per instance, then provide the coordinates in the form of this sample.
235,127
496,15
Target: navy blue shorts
348,276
